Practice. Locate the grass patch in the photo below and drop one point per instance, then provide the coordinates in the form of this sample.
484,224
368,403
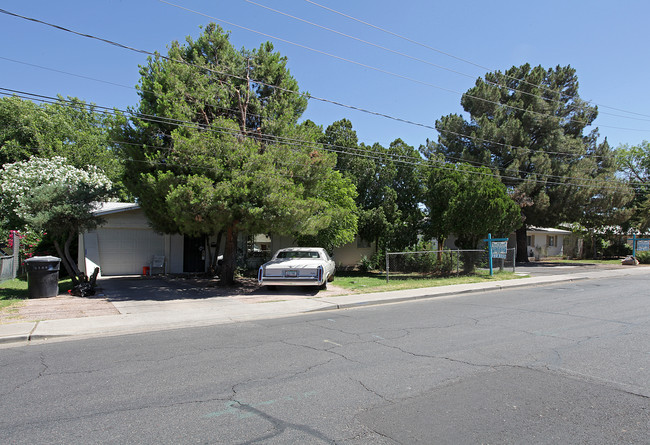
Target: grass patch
376,282
15,291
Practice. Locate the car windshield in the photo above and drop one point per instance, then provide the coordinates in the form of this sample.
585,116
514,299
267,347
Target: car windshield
298,254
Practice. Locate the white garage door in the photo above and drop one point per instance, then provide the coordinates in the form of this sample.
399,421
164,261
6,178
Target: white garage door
126,251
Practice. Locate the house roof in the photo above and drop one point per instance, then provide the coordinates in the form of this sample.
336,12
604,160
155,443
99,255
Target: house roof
549,230
106,208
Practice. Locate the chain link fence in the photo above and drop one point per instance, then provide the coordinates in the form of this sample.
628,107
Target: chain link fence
441,263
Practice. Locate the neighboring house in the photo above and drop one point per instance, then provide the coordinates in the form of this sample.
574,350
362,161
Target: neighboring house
545,242
126,243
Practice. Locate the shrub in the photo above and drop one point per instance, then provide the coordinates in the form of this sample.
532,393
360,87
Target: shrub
643,257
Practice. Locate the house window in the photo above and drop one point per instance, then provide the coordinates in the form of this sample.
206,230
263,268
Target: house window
362,243
529,240
551,240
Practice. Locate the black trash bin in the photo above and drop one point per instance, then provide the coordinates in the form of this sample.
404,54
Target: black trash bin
43,276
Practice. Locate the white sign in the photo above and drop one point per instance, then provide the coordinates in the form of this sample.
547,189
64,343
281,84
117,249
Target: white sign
643,245
499,249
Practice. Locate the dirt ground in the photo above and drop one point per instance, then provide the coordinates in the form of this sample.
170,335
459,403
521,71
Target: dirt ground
61,306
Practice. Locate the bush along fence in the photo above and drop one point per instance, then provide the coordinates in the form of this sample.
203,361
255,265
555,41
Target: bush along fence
445,262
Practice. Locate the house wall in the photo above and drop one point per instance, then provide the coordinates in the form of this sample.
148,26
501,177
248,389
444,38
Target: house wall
122,239
348,255
540,244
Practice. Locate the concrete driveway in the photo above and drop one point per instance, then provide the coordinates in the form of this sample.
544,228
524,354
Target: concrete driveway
136,294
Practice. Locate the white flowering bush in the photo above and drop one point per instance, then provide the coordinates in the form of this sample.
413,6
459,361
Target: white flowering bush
50,195
21,181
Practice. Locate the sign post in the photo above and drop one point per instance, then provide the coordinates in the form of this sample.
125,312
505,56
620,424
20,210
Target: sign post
497,248
640,244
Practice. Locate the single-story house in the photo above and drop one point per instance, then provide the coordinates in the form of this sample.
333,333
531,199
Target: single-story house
546,242
126,243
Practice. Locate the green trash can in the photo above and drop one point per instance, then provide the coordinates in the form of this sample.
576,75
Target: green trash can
43,276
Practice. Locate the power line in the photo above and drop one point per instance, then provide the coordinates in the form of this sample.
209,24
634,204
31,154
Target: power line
308,96
431,63
415,42
328,147
302,143
381,70
352,107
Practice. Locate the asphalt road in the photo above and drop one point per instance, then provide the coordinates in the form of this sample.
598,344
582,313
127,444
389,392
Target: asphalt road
552,364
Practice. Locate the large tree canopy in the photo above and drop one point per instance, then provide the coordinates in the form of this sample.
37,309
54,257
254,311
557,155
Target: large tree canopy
217,147
527,125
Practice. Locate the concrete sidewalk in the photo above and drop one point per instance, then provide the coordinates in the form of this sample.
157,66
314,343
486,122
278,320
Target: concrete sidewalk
154,314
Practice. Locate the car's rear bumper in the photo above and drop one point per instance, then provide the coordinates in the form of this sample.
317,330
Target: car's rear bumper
279,281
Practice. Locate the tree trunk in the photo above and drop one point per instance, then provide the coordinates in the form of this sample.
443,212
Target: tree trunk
65,263
230,256
522,245
66,252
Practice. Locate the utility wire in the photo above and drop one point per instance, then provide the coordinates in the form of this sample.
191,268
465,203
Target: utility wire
328,147
352,107
308,96
417,59
307,144
415,42
390,73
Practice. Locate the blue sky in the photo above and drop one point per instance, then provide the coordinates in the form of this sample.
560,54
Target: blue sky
605,41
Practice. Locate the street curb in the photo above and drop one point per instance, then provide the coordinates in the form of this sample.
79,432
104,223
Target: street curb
497,287
25,334
14,339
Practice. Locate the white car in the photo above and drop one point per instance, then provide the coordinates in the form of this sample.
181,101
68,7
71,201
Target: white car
298,266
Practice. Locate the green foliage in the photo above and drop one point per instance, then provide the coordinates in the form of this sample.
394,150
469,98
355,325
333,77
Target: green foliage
634,163
389,186
48,195
643,257
616,248
28,241
456,195
69,128
230,171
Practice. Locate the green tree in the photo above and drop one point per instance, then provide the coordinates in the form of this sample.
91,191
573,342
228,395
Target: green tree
225,152
69,128
527,125
468,202
49,195
388,184
634,164
457,194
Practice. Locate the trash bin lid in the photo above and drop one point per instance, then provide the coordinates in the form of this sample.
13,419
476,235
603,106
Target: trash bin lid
43,259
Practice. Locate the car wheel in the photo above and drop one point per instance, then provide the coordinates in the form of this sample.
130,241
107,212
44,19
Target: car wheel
330,278
323,286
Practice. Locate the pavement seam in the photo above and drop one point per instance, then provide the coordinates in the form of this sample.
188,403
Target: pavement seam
29,336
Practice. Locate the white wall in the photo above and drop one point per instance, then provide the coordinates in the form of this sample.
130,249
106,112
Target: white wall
348,255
